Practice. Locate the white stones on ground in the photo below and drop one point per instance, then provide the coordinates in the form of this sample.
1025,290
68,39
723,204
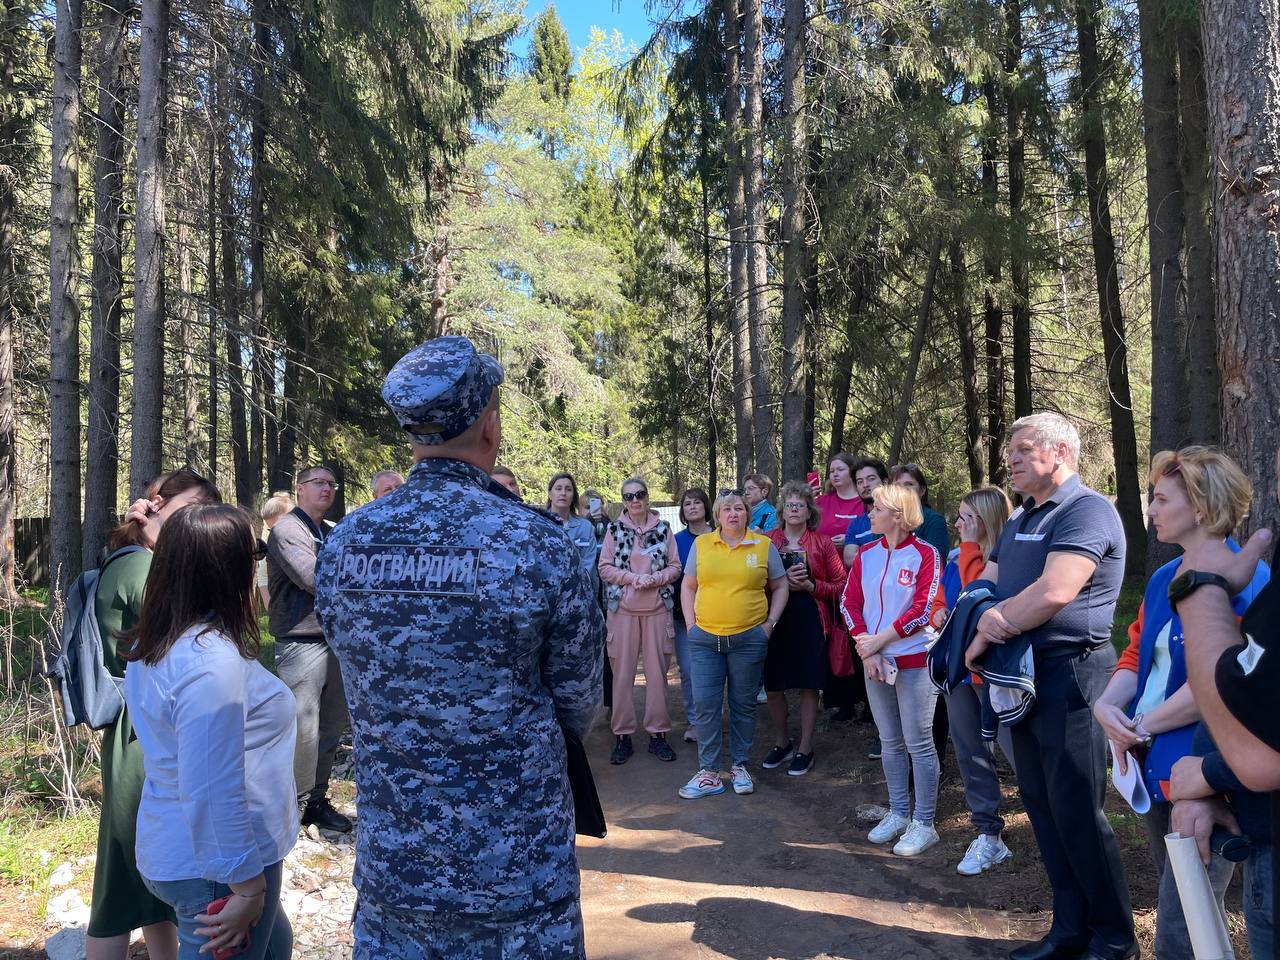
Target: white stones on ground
67,909
66,945
62,876
871,811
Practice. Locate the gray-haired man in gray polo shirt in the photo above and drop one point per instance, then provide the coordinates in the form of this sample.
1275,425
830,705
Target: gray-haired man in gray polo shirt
1058,565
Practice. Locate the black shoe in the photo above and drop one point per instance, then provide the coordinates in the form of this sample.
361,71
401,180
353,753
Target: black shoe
659,747
801,764
843,715
1134,954
321,813
778,756
622,750
1046,949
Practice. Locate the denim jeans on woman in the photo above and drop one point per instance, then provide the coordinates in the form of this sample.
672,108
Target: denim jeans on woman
1173,942
739,659
903,713
686,670
270,939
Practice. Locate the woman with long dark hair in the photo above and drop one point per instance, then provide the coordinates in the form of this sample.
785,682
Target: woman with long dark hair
120,902
217,732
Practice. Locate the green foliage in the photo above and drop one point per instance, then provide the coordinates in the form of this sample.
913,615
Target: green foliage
550,59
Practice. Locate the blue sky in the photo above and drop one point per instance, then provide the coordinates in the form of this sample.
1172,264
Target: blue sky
579,16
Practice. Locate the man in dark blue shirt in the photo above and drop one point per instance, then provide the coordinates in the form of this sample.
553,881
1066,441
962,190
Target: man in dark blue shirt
1058,566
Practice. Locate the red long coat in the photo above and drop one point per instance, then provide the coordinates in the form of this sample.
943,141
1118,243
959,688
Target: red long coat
827,570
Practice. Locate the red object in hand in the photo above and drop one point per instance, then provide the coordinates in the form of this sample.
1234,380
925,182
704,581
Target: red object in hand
813,478
225,953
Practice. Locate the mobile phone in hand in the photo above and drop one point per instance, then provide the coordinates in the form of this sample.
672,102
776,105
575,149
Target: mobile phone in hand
890,670
813,479
225,953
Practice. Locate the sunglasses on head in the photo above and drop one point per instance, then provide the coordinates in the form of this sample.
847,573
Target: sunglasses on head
731,492
635,495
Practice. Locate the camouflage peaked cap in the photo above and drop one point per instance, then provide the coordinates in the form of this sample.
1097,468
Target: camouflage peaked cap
439,388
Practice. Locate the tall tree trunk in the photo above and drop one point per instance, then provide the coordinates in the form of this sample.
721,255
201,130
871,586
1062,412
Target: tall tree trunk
106,298
149,286
757,250
1124,444
287,461
193,455
211,283
795,297
913,358
992,315
230,251
708,293
260,409
64,303
843,380
736,217
1202,335
1170,415
1242,65
15,129
968,363
1019,267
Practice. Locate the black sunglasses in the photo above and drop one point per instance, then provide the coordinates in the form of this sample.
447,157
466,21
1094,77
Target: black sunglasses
735,492
635,495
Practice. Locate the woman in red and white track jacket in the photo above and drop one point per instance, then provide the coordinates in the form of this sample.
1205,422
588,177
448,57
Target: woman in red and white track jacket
886,604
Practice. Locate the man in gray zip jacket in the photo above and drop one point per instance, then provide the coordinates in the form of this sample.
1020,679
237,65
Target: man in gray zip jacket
303,658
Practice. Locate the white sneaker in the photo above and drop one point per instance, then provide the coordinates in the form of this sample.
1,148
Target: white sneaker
983,854
890,826
917,839
705,783
742,782
762,696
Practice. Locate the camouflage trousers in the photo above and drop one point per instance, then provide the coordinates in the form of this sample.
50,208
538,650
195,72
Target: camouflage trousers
551,933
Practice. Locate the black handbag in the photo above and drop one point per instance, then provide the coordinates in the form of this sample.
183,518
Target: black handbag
587,813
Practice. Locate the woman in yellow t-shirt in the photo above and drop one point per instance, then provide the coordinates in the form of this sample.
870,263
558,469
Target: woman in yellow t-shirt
733,593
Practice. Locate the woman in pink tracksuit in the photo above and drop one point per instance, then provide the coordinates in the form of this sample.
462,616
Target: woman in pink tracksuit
886,604
639,564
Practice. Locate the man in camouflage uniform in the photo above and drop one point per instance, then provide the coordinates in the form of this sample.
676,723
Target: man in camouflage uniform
468,636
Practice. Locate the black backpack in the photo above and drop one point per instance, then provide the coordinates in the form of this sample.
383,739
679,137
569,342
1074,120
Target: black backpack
89,693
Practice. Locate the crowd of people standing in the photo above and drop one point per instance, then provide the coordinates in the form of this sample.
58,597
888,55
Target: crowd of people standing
468,640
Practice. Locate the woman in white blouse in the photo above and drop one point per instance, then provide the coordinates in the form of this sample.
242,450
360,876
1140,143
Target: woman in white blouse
217,732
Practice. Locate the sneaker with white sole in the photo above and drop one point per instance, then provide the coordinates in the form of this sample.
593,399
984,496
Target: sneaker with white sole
705,783
742,782
983,854
762,696
778,755
892,825
691,735
917,839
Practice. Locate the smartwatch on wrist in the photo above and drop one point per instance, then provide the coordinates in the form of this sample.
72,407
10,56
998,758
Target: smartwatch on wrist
1183,585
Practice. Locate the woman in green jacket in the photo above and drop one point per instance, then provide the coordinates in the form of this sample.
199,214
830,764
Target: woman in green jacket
121,904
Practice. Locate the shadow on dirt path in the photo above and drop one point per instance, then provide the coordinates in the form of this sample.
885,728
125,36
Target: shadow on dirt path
785,872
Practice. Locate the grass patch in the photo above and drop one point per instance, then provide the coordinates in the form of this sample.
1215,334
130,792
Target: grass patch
32,844
1127,611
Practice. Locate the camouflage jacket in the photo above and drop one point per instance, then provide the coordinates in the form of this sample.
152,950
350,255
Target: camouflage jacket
467,633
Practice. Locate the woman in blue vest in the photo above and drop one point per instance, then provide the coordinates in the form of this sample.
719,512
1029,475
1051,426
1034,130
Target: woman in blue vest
1147,709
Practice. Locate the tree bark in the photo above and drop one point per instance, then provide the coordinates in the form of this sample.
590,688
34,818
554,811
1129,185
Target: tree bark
15,165
913,359
1019,267
230,251
1170,415
106,298
795,297
843,381
992,314
708,293
736,218
64,303
968,363
211,281
757,250
149,284
1202,336
1124,444
260,408
1242,66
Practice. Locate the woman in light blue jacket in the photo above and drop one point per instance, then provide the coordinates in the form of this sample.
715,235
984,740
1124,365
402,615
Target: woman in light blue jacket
217,731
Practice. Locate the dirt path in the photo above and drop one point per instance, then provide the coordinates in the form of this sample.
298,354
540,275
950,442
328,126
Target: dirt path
785,872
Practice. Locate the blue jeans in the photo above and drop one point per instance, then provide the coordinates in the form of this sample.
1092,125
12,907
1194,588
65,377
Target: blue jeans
686,670
903,713
1173,942
271,938
738,658
1256,894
